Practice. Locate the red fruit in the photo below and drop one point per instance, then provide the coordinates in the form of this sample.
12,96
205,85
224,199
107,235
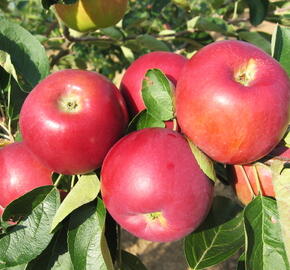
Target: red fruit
71,119
232,101
153,187
169,63
247,173
20,172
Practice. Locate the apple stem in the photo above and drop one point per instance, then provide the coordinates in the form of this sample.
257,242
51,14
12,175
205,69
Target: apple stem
119,249
257,178
56,183
73,179
174,124
247,181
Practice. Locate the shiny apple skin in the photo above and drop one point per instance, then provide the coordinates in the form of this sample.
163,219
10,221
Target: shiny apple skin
20,172
264,173
230,122
169,63
73,143
153,170
88,15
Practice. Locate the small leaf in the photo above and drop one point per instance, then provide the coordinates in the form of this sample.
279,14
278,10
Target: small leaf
219,237
26,240
5,62
204,162
112,32
213,24
128,53
281,176
157,93
258,10
86,240
144,120
257,38
27,54
85,191
264,248
281,46
152,43
131,262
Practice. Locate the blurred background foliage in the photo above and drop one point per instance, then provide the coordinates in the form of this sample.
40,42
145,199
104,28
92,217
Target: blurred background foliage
182,26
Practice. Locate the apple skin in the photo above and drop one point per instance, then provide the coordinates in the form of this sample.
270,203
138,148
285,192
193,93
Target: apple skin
264,173
88,15
71,119
20,172
153,171
169,63
230,121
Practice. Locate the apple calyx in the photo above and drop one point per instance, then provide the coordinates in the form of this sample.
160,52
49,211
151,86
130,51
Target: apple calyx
70,103
156,217
246,73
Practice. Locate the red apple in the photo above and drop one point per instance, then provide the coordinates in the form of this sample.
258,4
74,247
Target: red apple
232,101
86,15
71,119
169,63
20,172
153,187
244,177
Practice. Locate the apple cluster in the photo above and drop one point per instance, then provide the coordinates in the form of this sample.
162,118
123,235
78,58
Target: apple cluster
231,100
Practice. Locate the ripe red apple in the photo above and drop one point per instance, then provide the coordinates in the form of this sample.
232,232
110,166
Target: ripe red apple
71,119
169,63
86,15
20,172
232,101
153,187
247,173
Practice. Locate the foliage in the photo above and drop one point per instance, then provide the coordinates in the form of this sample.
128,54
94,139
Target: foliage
33,43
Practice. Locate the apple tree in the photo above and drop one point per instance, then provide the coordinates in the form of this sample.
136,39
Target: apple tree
144,158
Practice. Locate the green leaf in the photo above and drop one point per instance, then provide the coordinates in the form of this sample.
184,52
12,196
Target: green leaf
219,237
152,43
86,240
85,191
55,256
129,55
5,62
257,38
112,32
131,262
26,240
133,19
281,47
213,24
258,10
264,243
281,176
27,54
144,120
24,205
157,93
204,162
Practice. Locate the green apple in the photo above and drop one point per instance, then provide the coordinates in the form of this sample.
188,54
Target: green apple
87,15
